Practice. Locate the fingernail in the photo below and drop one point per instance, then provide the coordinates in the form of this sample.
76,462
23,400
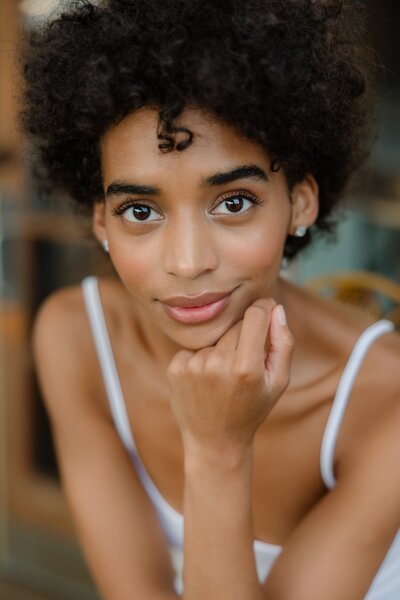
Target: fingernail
281,315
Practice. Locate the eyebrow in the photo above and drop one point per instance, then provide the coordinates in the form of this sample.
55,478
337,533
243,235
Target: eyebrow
243,172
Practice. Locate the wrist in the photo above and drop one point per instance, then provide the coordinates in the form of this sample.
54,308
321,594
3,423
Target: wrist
217,455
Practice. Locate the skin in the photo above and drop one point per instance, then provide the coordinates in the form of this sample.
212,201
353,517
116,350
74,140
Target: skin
187,249
227,415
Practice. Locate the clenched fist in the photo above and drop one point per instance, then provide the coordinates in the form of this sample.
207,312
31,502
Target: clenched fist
222,393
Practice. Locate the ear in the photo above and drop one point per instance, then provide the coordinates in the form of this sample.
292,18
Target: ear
99,221
305,203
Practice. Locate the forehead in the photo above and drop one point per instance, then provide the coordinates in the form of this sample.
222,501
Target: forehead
131,147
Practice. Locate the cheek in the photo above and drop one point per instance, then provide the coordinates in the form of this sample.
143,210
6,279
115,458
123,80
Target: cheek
262,252
133,267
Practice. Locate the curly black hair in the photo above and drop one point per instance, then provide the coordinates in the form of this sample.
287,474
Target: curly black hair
291,75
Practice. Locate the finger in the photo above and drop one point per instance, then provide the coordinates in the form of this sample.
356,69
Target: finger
281,346
198,359
179,362
229,341
250,352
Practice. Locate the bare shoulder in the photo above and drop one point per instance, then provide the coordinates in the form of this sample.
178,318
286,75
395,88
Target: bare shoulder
346,326
61,328
369,437
62,319
372,416
331,330
335,327
373,411
63,345
61,310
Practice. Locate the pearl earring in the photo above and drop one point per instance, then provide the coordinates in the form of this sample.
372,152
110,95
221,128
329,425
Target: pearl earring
104,243
300,231
284,263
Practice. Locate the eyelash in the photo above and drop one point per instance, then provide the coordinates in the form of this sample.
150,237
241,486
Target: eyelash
129,202
239,194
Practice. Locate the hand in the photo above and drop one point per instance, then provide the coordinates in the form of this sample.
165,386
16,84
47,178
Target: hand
221,394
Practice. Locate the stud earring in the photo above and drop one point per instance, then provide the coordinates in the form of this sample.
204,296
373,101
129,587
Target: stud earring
104,243
300,231
284,263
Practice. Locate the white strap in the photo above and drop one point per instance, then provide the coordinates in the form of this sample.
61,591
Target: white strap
343,394
116,399
106,359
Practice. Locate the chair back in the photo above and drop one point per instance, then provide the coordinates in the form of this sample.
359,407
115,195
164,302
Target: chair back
372,292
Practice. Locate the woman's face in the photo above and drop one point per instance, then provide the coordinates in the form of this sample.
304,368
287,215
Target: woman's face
212,218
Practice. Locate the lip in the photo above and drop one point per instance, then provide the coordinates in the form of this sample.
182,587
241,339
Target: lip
195,301
197,313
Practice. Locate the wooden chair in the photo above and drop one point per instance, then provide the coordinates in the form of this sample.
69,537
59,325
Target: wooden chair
374,293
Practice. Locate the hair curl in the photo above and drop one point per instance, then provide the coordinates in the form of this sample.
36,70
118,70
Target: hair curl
288,74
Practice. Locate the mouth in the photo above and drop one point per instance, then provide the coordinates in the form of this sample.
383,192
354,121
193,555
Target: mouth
200,313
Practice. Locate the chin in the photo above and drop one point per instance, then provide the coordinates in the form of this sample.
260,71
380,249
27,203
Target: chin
198,337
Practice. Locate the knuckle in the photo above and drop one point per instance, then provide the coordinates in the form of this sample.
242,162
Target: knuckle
177,365
256,310
265,303
289,340
243,374
195,364
262,306
198,361
214,364
173,370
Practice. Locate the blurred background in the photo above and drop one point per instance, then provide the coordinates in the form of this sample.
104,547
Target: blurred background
44,246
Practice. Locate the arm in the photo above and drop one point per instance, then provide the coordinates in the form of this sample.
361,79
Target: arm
336,549
219,556
333,553
220,396
120,534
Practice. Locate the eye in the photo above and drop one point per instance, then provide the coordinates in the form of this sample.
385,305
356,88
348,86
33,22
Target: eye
135,212
236,202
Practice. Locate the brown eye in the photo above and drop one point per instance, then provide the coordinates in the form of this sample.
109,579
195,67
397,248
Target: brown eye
235,204
140,211
136,212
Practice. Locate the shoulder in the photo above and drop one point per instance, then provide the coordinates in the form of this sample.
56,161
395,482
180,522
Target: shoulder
368,443
57,313
374,403
331,330
61,324
370,440
63,345
61,348
325,333
374,400
62,318
380,368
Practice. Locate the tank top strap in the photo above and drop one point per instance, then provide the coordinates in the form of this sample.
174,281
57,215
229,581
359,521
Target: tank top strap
342,396
117,404
105,355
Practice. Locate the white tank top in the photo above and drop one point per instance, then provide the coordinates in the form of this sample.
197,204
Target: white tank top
386,584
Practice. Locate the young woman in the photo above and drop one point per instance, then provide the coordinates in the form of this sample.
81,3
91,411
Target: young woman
222,433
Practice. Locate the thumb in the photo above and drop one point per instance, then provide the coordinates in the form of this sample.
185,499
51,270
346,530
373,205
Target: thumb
280,350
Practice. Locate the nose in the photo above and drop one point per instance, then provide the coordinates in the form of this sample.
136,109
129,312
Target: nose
189,249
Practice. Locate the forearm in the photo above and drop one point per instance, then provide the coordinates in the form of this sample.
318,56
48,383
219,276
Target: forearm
219,561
